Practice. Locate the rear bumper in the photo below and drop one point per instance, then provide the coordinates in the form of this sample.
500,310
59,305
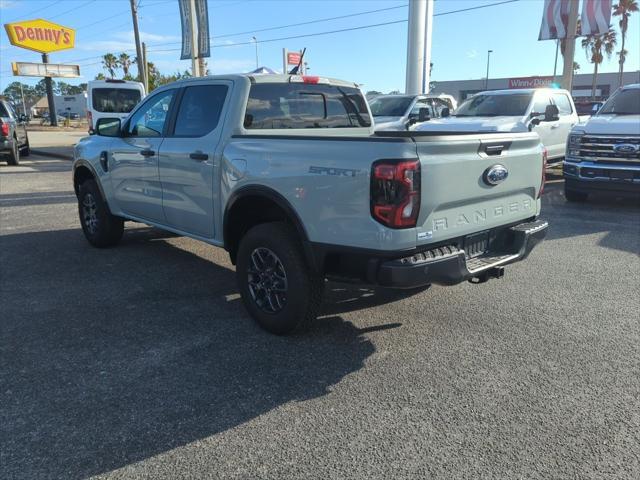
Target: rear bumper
450,265
446,263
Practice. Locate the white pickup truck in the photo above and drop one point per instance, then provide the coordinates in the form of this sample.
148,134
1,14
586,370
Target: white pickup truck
548,112
604,152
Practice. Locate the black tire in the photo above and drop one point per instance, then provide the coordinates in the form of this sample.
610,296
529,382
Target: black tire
100,228
575,196
14,154
295,291
26,149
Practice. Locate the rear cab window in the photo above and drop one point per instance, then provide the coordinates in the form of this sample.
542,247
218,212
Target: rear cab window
115,100
305,106
200,110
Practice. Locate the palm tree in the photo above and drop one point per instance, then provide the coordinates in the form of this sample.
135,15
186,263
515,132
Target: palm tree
110,63
593,46
124,62
623,9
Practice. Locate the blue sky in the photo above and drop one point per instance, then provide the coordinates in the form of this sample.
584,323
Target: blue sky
375,57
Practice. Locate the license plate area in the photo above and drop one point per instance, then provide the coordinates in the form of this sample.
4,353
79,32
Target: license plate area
620,175
476,244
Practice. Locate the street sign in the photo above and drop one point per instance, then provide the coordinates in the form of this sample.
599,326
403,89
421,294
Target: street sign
293,58
40,35
27,69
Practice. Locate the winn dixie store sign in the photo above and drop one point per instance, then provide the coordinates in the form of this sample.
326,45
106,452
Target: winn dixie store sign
40,35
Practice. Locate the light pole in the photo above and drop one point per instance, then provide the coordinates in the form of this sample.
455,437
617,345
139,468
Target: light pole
256,41
486,80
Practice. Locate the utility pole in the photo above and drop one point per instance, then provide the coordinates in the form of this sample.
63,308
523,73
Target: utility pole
195,66
142,61
426,78
53,116
567,69
486,80
284,61
24,106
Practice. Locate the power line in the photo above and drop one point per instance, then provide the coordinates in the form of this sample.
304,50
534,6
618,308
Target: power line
26,15
72,9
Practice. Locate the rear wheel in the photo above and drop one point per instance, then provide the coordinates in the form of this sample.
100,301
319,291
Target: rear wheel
14,154
278,289
575,196
100,228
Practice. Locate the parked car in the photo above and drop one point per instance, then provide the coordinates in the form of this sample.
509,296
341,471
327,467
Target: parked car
14,139
587,108
111,98
604,152
548,112
286,174
402,112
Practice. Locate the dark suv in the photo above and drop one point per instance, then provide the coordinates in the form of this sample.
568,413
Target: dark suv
13,133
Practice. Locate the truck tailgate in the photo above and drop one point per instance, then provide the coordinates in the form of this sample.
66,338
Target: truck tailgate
458,198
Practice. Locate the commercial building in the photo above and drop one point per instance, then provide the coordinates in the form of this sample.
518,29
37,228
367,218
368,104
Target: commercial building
64,103
606,84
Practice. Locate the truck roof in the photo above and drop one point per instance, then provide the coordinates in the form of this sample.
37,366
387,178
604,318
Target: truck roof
277,78
515,91
631,86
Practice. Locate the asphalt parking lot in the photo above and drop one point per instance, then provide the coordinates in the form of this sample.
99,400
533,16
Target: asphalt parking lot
140,361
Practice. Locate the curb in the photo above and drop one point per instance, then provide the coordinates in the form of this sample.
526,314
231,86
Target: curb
45,153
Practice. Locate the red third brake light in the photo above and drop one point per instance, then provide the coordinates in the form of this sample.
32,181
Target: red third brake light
310,79
395,193
544,170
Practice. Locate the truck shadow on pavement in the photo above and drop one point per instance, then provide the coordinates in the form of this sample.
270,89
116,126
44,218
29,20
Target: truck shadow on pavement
618,217
113,356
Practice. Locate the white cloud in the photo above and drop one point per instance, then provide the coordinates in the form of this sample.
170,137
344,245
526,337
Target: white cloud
216,67
7,3
472,53
125,40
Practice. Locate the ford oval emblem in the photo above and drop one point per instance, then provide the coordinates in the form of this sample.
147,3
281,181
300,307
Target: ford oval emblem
495,174
626,148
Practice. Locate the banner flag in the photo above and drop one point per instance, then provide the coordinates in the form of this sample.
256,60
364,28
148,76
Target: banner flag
555,19
185,22
595,18
202,17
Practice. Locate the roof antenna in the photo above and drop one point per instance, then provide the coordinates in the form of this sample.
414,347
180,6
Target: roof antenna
296,69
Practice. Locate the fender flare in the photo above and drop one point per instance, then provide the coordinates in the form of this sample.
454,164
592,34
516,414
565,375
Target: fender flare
280,201
83,163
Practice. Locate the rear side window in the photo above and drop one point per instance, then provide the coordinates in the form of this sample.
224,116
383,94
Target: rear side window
287,105
114,100
562,102
3,111
200,110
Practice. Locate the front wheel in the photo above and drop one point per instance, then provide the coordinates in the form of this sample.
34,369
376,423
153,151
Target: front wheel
277,287
100,228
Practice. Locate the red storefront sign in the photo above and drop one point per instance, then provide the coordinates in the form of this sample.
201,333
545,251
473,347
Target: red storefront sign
293,58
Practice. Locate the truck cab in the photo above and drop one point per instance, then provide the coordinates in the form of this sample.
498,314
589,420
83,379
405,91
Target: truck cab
403,112
549,112
604,153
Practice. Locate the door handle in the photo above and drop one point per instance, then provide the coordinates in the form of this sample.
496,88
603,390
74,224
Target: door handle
553,127
201,157
147,153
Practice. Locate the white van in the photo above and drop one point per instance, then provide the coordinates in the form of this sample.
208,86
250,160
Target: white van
111,98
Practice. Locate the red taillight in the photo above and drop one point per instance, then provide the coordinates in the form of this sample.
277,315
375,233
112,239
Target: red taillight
5,129
544,170
395,193
310,79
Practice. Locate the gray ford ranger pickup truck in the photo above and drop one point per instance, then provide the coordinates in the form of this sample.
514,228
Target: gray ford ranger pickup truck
286,173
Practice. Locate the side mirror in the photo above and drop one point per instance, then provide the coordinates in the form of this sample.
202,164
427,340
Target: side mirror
108,127
423,115
23,118
445,112
551,113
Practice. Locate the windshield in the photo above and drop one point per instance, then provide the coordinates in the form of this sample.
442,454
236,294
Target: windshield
495,105
390,106
115,100
625,102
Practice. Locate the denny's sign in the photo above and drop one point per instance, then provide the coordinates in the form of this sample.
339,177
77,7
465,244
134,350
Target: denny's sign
40,35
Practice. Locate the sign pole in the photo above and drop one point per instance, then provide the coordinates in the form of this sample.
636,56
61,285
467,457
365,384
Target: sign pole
53,117
284,61
567,69
195,67
24,105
